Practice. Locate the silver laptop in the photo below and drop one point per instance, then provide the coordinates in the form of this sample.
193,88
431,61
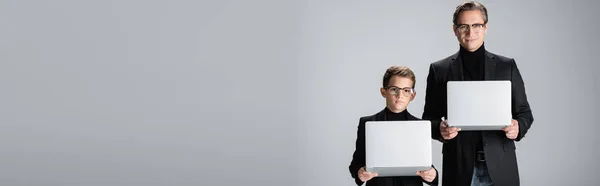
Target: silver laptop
479,105
398,148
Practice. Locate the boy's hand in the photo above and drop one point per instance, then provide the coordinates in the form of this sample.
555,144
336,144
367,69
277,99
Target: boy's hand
364,176
448,133
427,175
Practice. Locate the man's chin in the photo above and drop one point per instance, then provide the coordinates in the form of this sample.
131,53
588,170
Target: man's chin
471,45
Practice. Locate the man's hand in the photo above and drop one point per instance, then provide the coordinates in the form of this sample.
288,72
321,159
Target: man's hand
512,131
448,133
427,175
364,176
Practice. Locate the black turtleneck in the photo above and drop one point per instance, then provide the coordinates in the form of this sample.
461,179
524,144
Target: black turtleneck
473,63
473,70
391,116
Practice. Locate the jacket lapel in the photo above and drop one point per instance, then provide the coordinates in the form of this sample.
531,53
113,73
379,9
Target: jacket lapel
456,68
490,66
380,116
457,72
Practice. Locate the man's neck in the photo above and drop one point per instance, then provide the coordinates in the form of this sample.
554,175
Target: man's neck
479,53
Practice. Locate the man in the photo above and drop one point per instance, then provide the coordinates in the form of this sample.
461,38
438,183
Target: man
398,91
476,157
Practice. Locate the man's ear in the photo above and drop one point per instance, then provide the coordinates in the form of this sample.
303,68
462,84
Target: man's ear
413,95
485,28
454,30
382,91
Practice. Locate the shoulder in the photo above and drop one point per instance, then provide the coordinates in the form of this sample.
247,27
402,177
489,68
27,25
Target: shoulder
364,119
412,117
442,66
500,58
444,62
372,117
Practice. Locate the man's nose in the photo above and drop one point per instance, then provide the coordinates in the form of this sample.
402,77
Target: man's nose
468,32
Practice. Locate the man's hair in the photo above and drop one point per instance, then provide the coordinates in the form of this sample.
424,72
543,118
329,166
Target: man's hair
401,71
470,5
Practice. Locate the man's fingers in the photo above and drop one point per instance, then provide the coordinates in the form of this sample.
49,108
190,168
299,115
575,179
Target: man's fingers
444,124
430,175
511,131
426,175
449,135
424,172
452,135
513,124
448,132
509,128
511,135
451,129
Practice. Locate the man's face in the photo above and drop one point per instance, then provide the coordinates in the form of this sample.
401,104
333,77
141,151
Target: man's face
470,29
398,93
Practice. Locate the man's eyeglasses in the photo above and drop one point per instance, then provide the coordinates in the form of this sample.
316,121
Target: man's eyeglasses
463,28
406,91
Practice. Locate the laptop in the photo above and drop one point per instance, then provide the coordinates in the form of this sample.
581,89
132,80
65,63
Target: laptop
479,105
398,148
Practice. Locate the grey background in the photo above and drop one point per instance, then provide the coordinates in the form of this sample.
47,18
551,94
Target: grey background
261,92
148,92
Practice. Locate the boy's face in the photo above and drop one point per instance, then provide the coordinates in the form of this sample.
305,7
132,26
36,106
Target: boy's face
398,93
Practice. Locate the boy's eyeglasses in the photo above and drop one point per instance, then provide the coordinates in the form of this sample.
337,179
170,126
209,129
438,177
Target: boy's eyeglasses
406,91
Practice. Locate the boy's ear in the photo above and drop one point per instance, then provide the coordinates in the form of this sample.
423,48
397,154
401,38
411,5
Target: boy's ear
382,91
413,95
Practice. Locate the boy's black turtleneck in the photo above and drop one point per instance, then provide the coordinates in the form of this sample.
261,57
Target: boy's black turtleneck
392,116
473,64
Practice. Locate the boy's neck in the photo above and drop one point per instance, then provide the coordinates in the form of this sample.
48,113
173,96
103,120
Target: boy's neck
395,111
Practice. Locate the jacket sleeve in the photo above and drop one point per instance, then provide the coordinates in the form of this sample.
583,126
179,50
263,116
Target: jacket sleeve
433,104
358,157
520,106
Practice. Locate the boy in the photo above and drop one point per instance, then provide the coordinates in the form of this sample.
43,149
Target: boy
398,91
